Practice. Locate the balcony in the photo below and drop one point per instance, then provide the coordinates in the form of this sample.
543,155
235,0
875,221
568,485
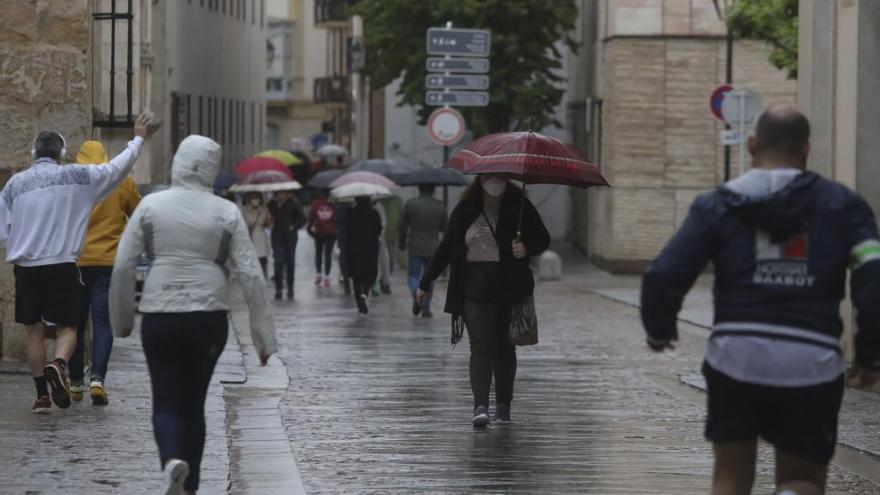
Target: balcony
333,89
331,13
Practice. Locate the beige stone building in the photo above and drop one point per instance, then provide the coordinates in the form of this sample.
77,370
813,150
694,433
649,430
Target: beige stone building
81,66
639,91
44,77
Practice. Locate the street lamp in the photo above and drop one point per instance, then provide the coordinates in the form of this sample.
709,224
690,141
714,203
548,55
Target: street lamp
722,8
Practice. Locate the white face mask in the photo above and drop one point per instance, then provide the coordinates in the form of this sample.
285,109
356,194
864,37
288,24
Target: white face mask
255,202
494,186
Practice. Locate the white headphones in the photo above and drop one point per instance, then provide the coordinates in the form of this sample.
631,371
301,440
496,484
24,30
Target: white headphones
62,154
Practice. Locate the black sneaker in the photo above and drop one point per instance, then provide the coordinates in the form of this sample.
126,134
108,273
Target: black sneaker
363,307
416,309
481,416
426,313
385,288
43,405
59,384
278,295
290,294
502,413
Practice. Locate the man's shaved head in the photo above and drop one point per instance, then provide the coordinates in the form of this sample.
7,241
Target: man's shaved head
782,133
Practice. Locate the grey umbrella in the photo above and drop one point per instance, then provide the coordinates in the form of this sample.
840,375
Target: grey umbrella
381,167
322,179
431,177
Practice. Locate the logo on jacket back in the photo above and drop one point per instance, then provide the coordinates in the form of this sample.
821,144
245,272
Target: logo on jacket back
782,264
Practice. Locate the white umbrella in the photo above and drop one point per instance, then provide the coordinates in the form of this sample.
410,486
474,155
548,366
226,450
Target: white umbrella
358,189
291,185
331,150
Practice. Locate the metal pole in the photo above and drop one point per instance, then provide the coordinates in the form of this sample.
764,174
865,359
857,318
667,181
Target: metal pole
129,73
445,188
728,80
112,60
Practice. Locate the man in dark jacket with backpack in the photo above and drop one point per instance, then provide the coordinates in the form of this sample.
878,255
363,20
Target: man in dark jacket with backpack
780,239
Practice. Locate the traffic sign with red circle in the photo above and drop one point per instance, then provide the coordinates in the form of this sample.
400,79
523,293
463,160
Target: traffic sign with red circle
717,99
446,126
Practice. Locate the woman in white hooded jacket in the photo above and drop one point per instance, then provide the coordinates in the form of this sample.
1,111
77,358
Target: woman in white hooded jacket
194,240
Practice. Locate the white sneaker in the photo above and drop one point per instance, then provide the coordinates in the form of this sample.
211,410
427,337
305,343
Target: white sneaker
173,477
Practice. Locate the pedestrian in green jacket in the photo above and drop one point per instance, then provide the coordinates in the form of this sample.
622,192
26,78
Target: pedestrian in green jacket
422,222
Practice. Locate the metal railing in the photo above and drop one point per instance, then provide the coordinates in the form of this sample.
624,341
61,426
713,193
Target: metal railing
113,16
332,89
329,11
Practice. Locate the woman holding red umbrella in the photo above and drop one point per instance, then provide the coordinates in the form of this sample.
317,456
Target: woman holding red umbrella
491,236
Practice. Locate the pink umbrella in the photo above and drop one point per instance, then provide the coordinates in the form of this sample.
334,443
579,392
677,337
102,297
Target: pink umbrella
255,164
363,177
266,177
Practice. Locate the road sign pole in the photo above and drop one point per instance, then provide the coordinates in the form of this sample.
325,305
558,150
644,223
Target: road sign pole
728,80
742,134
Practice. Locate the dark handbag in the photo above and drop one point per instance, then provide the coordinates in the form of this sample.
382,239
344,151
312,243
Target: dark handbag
523,328
523,323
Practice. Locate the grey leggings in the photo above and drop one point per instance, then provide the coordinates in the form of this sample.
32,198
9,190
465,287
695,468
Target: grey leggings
492,354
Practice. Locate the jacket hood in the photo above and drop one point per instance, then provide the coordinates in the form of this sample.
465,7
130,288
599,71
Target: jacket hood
92,153
771,202
196,163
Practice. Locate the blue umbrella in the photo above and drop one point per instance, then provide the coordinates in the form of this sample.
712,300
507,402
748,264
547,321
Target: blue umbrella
225,180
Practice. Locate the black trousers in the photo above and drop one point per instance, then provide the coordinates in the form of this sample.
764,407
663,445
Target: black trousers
324,253
492,354
182,350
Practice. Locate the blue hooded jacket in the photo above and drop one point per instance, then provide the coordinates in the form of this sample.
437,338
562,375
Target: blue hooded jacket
779,260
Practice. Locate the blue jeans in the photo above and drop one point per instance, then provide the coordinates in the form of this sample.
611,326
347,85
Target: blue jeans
182,350
285,260
417,266
95,302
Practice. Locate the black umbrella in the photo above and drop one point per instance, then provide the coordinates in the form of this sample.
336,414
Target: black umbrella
381,167
431,177
322,179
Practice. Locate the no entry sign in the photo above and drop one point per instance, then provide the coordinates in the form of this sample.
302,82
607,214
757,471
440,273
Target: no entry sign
717,99
446,126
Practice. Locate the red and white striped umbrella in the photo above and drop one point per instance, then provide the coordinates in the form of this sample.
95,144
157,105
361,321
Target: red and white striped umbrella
528,157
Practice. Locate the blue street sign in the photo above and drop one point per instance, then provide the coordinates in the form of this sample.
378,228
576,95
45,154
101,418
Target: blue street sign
457,82
457,98
465,65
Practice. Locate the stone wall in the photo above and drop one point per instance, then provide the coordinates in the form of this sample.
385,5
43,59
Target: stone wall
660,145
44,46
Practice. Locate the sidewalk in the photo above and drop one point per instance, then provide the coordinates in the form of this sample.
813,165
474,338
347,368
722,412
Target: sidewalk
97,450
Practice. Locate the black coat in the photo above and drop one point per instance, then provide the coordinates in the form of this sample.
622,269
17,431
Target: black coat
287,218
519,282
363,226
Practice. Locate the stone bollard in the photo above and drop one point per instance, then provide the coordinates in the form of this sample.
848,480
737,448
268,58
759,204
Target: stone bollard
549,266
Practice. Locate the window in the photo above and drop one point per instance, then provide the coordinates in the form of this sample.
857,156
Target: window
201,128
223,122
253,126
118,21
210,126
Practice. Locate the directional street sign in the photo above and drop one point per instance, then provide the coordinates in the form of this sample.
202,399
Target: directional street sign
457,82
465,65
457,98
464,42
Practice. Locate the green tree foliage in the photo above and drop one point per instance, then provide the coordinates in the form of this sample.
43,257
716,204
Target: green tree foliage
773,21
525,60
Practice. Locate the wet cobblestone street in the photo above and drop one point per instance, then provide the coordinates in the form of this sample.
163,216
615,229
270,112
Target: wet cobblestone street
383,404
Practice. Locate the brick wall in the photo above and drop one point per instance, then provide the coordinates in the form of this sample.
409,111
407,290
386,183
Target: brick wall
659,142
43,86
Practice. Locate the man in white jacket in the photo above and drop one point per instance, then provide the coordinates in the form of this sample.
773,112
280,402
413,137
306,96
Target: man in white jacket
44,213
194,240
